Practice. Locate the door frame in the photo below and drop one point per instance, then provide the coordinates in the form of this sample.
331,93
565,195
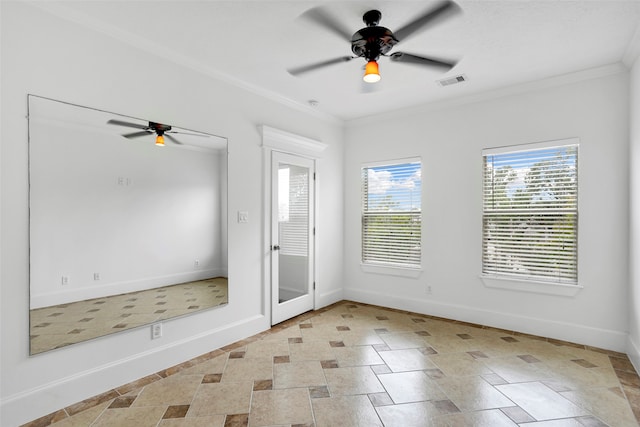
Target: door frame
278,140
281,311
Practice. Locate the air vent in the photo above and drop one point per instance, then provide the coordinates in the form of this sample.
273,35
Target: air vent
452,80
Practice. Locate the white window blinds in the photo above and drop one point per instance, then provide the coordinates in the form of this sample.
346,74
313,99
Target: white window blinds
392,213
530,213
293,210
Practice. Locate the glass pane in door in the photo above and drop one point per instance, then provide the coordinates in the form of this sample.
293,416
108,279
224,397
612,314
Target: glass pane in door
293,231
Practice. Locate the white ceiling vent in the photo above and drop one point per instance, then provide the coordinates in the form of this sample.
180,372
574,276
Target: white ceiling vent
452,80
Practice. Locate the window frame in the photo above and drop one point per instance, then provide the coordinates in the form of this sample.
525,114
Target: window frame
390,267
532,283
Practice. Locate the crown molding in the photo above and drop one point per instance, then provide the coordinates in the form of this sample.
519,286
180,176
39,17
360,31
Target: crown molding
551,82
175,57
55,8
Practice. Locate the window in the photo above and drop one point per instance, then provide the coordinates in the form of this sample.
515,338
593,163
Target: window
530,212
392,213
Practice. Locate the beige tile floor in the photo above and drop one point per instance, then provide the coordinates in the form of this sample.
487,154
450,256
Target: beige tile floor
61,325
353,364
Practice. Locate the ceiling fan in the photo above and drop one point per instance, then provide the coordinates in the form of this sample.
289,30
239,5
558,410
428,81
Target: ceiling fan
161,131
374,41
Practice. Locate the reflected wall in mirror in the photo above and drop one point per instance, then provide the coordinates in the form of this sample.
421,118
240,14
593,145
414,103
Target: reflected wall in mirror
123,233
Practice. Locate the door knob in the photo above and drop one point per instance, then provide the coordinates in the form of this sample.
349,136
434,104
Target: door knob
275,247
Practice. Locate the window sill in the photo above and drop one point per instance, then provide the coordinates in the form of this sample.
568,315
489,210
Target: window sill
537,287
392,271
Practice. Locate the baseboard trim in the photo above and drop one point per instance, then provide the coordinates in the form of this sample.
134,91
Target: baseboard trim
48,398
31,404
328,298
633,351
571,332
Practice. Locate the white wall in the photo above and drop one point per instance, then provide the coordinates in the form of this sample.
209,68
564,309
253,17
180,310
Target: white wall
449,138
45,55
633,348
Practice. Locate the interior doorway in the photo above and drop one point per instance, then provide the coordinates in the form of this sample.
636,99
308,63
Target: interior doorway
292,235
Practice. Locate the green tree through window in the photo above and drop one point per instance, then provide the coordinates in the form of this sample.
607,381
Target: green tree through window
392,214
530,213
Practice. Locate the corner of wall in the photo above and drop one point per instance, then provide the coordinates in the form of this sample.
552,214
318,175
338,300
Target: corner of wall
633,350
632,53
328,298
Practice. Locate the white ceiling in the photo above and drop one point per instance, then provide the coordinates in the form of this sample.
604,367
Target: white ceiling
252,43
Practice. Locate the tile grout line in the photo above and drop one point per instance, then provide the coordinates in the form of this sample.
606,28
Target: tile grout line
96,400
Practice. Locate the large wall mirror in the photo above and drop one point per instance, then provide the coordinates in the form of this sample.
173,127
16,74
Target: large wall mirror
123,232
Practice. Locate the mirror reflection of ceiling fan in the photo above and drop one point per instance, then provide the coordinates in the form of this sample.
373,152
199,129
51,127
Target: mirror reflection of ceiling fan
161,131
375,41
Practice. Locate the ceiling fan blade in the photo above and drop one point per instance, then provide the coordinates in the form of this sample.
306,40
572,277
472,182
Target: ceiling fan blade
321,17
443,10
127,124
172,139
137,134
408,58
312,67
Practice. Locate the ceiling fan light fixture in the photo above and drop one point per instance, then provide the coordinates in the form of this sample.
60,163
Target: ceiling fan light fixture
160,140
371,73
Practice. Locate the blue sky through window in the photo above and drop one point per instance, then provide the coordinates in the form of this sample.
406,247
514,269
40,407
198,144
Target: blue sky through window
394,187
521,163
526,159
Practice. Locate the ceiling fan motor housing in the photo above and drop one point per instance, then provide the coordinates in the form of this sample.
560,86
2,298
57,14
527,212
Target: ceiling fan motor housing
373,40
159,128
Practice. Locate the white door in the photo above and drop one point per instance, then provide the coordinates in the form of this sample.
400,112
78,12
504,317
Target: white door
292,229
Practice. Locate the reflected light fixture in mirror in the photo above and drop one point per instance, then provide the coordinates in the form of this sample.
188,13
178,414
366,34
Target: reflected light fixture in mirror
122,235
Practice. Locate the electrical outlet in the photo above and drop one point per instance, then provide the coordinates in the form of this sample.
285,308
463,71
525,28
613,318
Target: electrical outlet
196,263
124,181
243,216
64,280
96,276
156,331
429,290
